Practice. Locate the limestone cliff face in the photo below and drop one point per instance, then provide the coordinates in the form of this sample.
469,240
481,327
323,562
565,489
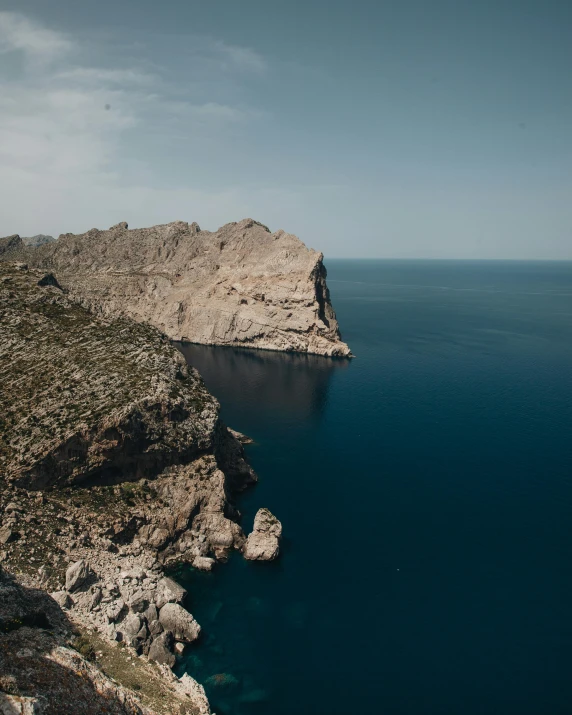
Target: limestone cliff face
240,285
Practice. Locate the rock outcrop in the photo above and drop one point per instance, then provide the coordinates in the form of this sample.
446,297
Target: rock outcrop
263,544
240,285
10,244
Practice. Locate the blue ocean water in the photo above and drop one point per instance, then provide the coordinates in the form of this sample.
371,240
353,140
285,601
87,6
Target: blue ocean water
425,489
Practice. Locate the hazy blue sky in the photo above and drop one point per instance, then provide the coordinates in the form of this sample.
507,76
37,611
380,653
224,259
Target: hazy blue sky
400,128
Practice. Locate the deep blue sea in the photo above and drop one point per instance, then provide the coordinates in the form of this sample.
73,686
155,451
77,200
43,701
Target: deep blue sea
425,489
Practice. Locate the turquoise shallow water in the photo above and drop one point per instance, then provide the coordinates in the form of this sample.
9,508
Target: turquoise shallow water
425,490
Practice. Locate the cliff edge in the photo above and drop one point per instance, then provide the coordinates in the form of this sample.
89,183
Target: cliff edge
240,285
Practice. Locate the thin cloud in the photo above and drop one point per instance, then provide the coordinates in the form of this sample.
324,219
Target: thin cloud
71,130
101,76
18,32
240,58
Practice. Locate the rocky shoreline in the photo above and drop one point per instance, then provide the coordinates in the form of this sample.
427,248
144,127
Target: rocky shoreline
114,464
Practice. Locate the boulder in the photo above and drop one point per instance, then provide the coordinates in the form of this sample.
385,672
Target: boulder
114,610
203,563
151,613
95,598
155,627
169,591
76,575
263,544
138,601
174,618
161,650
130,628
62,598
7,535
143,633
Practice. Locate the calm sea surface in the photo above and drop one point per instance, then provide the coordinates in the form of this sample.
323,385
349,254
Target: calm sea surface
425,490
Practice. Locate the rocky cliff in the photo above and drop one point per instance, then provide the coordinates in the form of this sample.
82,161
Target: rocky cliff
113,463
240,285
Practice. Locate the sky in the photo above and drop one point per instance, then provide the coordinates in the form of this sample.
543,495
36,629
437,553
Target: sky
371,128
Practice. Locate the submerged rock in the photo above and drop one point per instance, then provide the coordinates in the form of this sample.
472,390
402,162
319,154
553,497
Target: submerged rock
263,544
225,681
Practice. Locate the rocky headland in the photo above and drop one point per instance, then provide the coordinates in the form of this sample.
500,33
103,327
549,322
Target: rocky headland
241,285
114,464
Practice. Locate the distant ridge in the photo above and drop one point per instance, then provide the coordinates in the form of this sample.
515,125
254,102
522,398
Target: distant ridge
38,240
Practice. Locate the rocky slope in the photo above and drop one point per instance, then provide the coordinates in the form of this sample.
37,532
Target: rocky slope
39,671
240,285
113,464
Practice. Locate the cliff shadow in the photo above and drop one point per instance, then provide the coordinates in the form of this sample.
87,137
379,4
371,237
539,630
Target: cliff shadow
294,383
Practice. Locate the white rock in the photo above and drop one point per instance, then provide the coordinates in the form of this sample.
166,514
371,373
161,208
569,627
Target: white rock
263,544
169,591
180,622
203,563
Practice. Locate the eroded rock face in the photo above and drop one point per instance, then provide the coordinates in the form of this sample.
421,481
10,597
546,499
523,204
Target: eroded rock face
263,544
240,285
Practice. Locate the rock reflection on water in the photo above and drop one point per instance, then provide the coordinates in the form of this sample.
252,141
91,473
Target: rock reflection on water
294,383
